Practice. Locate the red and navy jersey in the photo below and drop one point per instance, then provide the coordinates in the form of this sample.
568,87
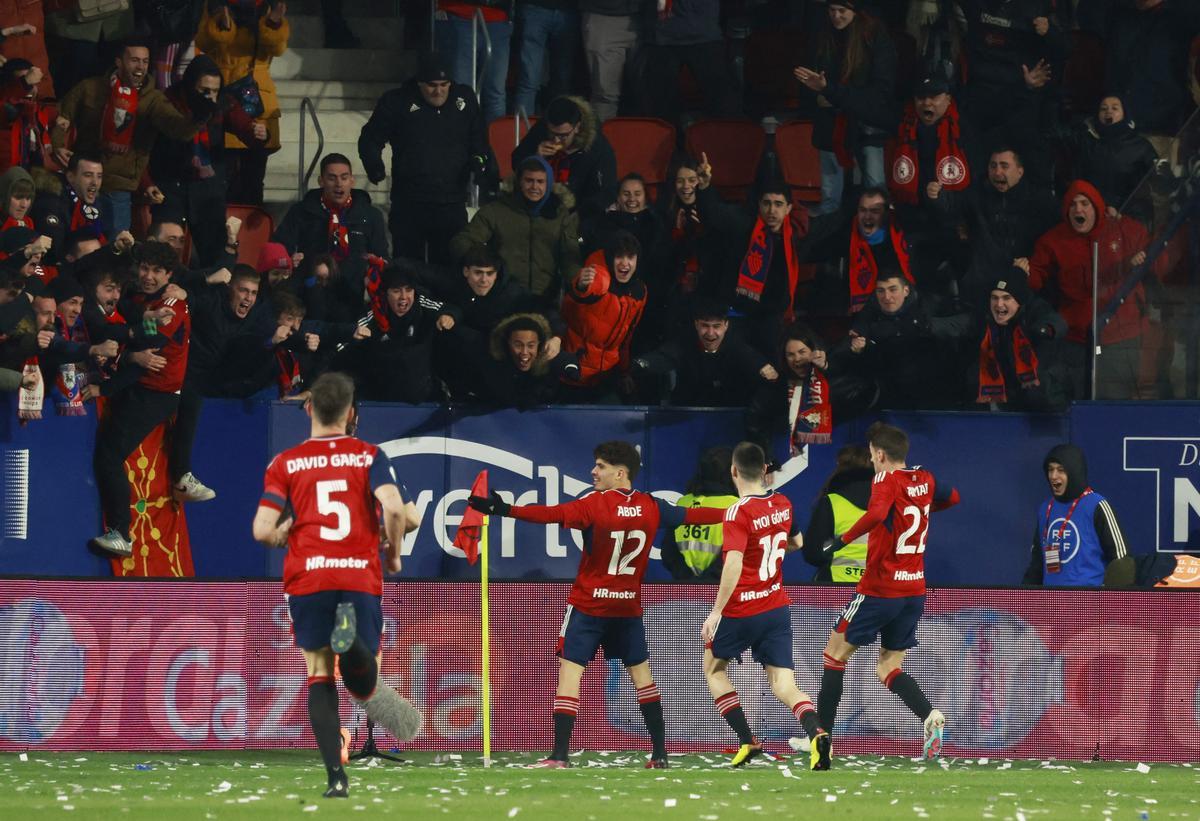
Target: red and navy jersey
329,484
618,531
172,341
897,518
758,527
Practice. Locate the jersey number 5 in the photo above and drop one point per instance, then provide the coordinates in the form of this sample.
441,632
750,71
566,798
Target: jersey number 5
773,548
326,506
918,526
619,565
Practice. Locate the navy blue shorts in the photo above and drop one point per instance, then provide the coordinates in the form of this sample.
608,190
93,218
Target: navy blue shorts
312,617
767,635
893,620
623,638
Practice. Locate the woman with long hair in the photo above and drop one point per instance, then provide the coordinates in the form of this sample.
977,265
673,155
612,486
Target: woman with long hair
853,78
693,259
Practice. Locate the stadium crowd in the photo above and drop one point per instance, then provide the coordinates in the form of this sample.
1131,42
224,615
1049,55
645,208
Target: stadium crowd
947,261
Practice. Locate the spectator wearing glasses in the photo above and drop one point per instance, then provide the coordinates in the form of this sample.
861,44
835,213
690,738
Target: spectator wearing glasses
570,140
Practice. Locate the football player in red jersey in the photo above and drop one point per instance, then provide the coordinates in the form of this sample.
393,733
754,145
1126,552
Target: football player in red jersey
604,608
891,593
751,610
319,501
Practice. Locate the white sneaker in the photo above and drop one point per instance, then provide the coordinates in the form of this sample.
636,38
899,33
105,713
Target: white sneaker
114,541
191,489
800,744
934,731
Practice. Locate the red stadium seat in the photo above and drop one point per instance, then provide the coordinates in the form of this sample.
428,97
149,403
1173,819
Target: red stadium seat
799,162
257,227
734,149
643,145
502,136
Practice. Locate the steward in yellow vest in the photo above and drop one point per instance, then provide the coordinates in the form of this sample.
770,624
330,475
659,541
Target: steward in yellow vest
693,552
843,501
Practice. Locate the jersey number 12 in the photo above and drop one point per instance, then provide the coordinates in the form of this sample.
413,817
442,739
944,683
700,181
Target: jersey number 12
619,565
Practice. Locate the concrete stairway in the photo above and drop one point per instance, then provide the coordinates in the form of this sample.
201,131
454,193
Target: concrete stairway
344,85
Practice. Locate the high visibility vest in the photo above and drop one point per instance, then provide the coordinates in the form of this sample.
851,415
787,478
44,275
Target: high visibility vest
701,544
850,562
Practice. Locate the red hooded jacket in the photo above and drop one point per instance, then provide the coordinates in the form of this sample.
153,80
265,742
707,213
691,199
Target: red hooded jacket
600,319
1061,267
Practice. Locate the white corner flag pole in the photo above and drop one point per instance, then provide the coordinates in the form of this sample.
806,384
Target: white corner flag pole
485,670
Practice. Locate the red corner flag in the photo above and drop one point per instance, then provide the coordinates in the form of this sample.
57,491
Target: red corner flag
467,537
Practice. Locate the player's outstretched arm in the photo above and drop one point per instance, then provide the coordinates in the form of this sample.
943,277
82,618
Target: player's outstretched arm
573,514
270,527
395,522
704,516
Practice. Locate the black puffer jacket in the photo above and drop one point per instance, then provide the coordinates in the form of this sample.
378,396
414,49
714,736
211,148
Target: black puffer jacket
475,317
432,148
1114,158
725,378
1002,226
910,354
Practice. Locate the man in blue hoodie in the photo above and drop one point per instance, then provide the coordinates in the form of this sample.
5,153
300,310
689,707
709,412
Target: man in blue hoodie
1077,541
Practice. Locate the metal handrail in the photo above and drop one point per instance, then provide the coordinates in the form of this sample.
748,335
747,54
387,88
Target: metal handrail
478,24
519,115
302,184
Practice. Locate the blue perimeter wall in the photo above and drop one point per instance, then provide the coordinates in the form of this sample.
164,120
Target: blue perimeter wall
1143,457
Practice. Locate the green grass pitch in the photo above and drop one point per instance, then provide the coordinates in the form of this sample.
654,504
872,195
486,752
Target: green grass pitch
288,784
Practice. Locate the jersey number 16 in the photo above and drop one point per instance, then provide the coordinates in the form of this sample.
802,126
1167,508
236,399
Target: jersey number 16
773,548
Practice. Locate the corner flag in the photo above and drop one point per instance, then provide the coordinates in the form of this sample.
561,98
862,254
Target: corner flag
466,538
471,535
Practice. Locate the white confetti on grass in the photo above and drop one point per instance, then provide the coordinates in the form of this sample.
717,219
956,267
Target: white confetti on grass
829,799
513,812
669,802
311,808
1142,768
